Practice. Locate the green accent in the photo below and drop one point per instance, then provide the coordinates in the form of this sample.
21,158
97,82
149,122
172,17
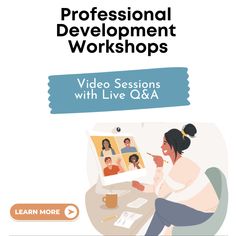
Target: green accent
212,225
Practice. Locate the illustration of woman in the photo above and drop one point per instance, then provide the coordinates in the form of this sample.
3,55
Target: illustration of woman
107,150
185,196
134,162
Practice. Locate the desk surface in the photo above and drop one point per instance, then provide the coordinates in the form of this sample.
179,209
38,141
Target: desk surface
97,211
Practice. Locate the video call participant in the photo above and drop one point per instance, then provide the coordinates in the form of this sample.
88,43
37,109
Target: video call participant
127,147
134,162
107,150
112,169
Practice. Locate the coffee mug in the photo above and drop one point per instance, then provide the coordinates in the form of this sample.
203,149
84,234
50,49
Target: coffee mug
110,200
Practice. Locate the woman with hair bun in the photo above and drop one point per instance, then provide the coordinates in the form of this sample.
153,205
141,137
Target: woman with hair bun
185,196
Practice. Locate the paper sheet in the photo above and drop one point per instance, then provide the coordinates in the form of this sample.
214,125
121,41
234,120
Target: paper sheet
126,219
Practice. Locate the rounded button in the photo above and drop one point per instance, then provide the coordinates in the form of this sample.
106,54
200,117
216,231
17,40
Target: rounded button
44,212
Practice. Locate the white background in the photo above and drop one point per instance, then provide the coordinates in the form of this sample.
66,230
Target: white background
44,156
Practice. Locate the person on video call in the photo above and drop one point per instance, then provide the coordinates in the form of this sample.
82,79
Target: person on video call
107,150
185,196
112,169
134,162
127,147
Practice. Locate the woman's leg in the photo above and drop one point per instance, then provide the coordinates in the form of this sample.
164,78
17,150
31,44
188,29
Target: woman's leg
170,213
156,226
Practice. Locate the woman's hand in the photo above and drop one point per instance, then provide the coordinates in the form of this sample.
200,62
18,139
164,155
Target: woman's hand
158,160
137,185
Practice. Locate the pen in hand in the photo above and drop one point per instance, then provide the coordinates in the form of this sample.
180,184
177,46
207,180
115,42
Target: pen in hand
157,157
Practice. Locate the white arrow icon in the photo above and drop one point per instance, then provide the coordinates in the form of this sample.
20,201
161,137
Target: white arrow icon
71,212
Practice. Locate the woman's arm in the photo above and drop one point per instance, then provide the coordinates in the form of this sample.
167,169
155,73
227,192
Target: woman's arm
150,188
182,174
158,178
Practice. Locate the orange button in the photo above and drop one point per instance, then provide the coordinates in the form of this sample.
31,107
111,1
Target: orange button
44,212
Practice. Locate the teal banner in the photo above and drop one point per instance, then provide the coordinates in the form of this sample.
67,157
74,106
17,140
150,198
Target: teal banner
120,90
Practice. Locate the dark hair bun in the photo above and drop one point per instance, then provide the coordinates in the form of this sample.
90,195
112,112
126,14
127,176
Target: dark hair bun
190,130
